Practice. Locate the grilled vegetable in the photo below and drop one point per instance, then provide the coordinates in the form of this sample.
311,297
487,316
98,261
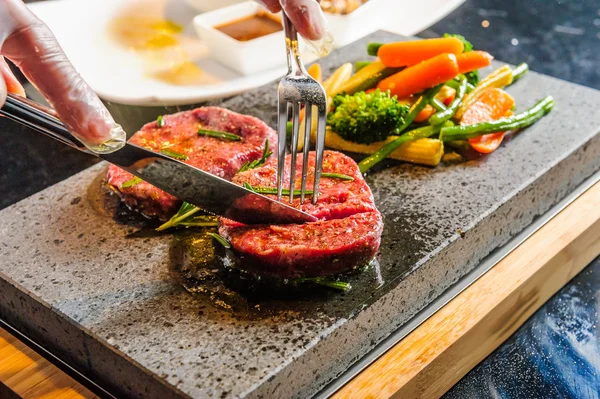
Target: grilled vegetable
519,121
412,52
422,76
366,78
500,78
519,71
366,118
491,105
390,147
445,115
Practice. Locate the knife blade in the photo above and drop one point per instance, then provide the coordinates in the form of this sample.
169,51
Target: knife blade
204,190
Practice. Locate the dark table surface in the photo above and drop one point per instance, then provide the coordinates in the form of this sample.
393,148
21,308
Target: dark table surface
557,352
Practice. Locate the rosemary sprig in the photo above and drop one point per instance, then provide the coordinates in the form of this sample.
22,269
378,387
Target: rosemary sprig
219,135
185,212
272,190
258,162
337,176
220,240
131,182
335,284
173,154
160,121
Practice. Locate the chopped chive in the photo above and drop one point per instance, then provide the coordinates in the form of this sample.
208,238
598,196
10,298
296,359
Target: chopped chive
174,154
219,135
132,182
337,176
160,121
221,240
185,212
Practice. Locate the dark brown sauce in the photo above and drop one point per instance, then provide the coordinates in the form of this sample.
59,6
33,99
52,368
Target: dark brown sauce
252,27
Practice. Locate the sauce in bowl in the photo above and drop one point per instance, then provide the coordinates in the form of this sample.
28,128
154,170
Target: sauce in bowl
251,27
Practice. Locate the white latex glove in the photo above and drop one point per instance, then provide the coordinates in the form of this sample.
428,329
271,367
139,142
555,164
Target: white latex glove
306,15
29,43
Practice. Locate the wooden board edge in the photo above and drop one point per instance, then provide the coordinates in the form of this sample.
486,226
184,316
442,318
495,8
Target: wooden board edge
26,374
436,355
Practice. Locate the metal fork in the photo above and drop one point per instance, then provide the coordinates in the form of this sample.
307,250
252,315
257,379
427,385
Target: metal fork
297,88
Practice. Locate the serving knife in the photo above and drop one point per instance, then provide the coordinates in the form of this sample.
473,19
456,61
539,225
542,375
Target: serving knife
202,189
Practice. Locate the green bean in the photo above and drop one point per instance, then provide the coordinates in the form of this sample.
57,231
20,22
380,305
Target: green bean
519,71
455,84
448,113
519,121
438,105
386,150
418,107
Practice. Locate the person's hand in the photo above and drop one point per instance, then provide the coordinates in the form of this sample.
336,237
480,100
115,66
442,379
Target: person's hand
31,46
306,15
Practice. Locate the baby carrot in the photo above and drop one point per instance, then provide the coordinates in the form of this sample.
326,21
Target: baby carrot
401,54
424,75
473,60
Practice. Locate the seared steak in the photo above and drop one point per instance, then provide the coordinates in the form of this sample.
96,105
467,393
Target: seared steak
179,135
347,235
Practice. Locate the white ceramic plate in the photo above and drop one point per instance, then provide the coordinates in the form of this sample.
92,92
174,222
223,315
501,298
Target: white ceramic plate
121,75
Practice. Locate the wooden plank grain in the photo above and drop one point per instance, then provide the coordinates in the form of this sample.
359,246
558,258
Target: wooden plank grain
26,374
435,356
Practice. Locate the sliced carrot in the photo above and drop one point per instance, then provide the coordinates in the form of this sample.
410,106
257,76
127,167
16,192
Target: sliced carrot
401,54
424,114
492,104
473,60
424,75
316,72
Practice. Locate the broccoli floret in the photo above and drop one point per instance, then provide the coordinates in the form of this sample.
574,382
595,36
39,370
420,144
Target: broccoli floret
366,118
466,43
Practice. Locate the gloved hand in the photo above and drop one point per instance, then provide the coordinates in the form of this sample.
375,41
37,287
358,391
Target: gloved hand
29,43
306,15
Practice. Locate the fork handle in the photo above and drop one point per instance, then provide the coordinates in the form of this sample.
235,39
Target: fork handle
294,61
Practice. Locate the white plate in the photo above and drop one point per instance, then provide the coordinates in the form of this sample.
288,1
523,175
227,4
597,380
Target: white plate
120,75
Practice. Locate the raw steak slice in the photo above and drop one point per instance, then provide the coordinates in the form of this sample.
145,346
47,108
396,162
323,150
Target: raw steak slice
347,236
179,134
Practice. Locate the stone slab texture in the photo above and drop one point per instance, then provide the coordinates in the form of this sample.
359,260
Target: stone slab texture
103,299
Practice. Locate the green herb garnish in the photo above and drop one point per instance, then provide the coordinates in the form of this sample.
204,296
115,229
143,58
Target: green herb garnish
337,285
337,176
131,182
221,240
272,190
184,213
256,163
173,154
219,135
160,121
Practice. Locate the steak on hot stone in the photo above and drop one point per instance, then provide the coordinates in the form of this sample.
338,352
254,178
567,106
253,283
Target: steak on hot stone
178,134
347,235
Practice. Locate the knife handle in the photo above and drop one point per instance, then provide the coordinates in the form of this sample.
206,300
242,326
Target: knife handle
44,120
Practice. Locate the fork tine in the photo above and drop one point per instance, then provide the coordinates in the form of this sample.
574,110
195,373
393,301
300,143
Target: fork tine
295,134
282,118
308,109
319,149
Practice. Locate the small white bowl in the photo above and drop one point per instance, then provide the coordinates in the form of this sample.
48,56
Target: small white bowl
367,18
249,57
211,5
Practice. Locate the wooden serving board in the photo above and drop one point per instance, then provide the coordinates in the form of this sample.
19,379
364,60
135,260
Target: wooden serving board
101,295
